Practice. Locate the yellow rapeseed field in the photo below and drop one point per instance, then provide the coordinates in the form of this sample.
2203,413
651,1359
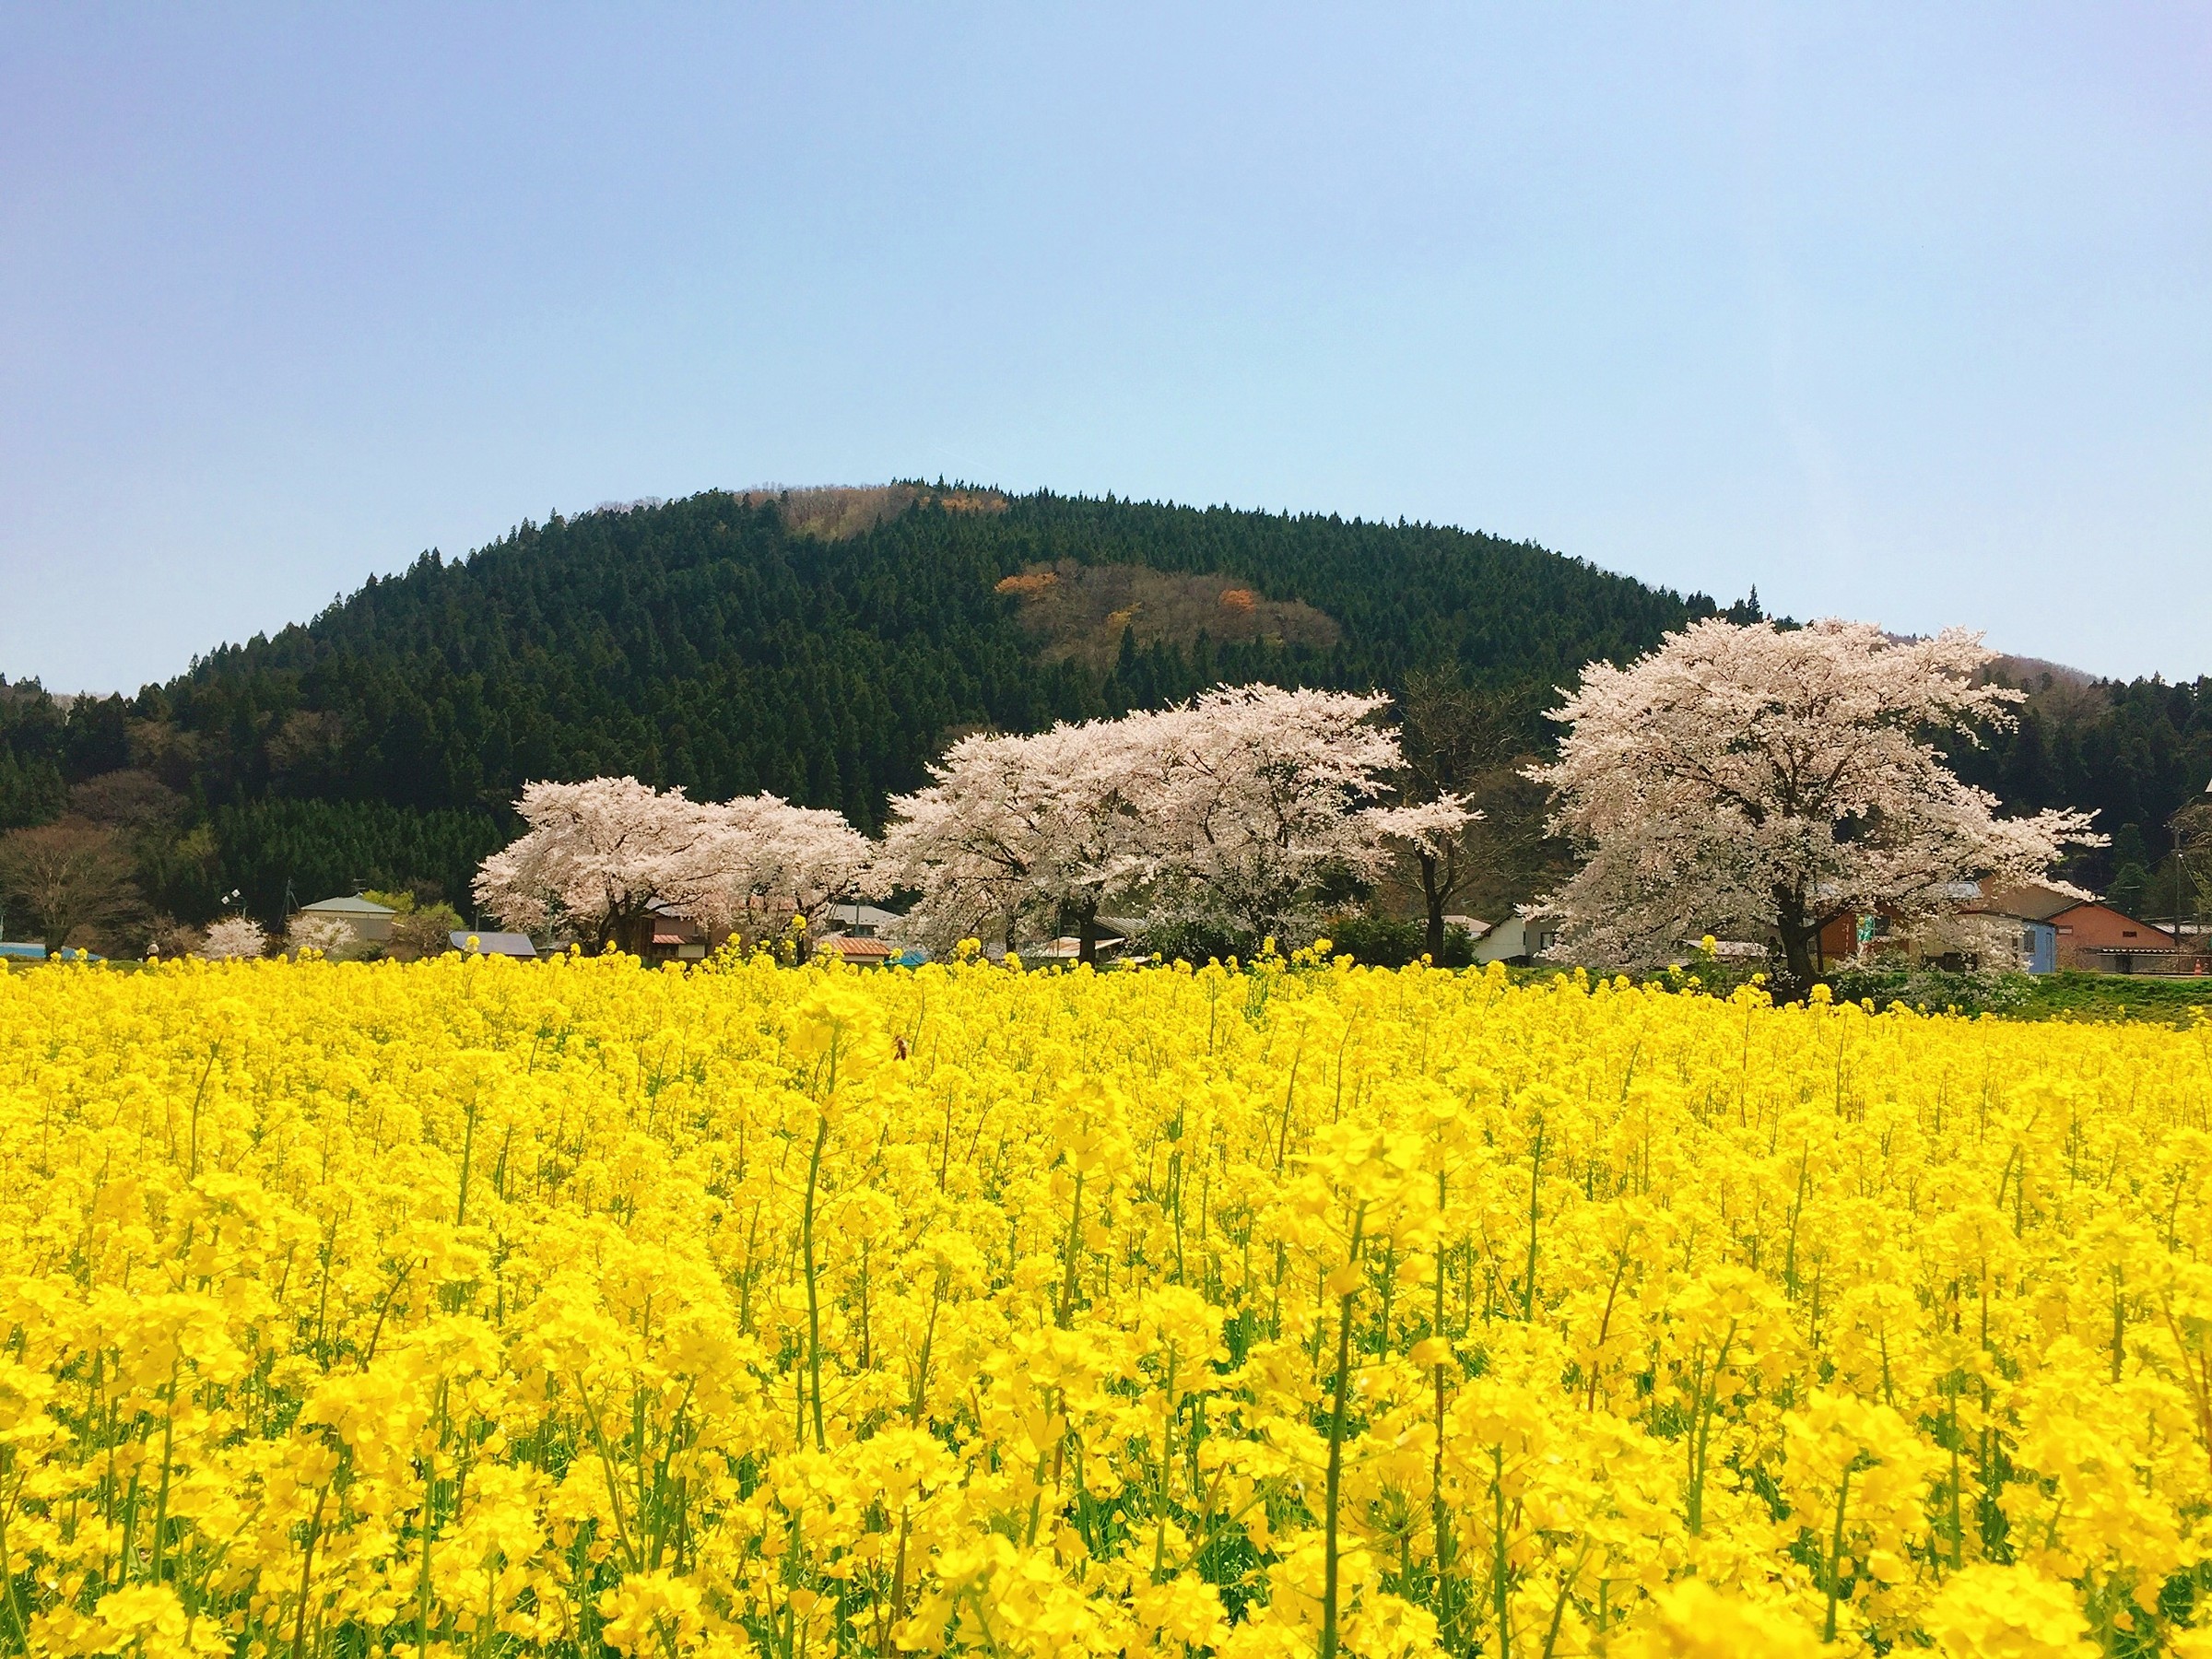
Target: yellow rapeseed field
497,1308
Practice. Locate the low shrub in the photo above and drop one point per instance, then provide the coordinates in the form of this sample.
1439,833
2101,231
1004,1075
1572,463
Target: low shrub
1933,989
1378,941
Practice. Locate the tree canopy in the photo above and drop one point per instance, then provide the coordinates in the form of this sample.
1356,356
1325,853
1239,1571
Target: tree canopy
1776,780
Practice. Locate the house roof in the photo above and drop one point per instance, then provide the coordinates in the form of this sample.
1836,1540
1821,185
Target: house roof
351,905
495,944
2036,903
2082,904
854,949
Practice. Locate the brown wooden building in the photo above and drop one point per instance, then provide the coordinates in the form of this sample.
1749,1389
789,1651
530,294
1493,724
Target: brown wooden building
2099,939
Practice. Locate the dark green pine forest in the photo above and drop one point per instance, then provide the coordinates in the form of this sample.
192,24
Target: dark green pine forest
825,645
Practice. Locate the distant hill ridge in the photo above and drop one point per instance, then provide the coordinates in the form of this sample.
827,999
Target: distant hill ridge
820,642
823,643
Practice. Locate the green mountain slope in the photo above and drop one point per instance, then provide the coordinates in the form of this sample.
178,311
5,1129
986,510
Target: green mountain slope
822,647
823,644
701,642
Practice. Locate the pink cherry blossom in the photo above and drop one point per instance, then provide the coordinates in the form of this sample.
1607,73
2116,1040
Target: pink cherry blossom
1754,781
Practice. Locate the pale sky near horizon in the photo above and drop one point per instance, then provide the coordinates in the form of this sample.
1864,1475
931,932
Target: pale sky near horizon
1897,312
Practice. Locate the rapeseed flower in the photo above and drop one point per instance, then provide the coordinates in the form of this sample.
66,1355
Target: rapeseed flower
471,1306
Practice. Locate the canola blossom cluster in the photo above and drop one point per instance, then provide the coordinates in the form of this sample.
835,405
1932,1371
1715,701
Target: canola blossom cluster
470,1307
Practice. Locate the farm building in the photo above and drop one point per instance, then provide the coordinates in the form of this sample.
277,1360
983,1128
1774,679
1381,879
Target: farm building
371,922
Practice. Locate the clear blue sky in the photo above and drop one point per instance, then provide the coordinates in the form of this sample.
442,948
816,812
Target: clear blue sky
1899,311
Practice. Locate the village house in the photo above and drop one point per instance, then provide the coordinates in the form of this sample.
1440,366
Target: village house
1068,947
861,920
1516,941
371,922
516,944
678,938
858,950
2099,939
2050,928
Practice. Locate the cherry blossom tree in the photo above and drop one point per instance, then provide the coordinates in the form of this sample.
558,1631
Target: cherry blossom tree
1753,779
1265,793
775,858
1232,809
1228,812
600,855
326,936
607,854
1044,829
234,938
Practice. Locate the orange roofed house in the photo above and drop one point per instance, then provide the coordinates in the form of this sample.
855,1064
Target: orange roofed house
2095,938
2058,929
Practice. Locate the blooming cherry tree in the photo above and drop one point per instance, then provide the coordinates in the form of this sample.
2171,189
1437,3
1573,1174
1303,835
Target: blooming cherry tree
1046,829
1753,778
600,855
326,936
1228,810
771,855
234,938
1264,792
605,856
1231,809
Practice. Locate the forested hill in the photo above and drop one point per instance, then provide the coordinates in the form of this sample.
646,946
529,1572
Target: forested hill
821,645
704,643
2136,753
